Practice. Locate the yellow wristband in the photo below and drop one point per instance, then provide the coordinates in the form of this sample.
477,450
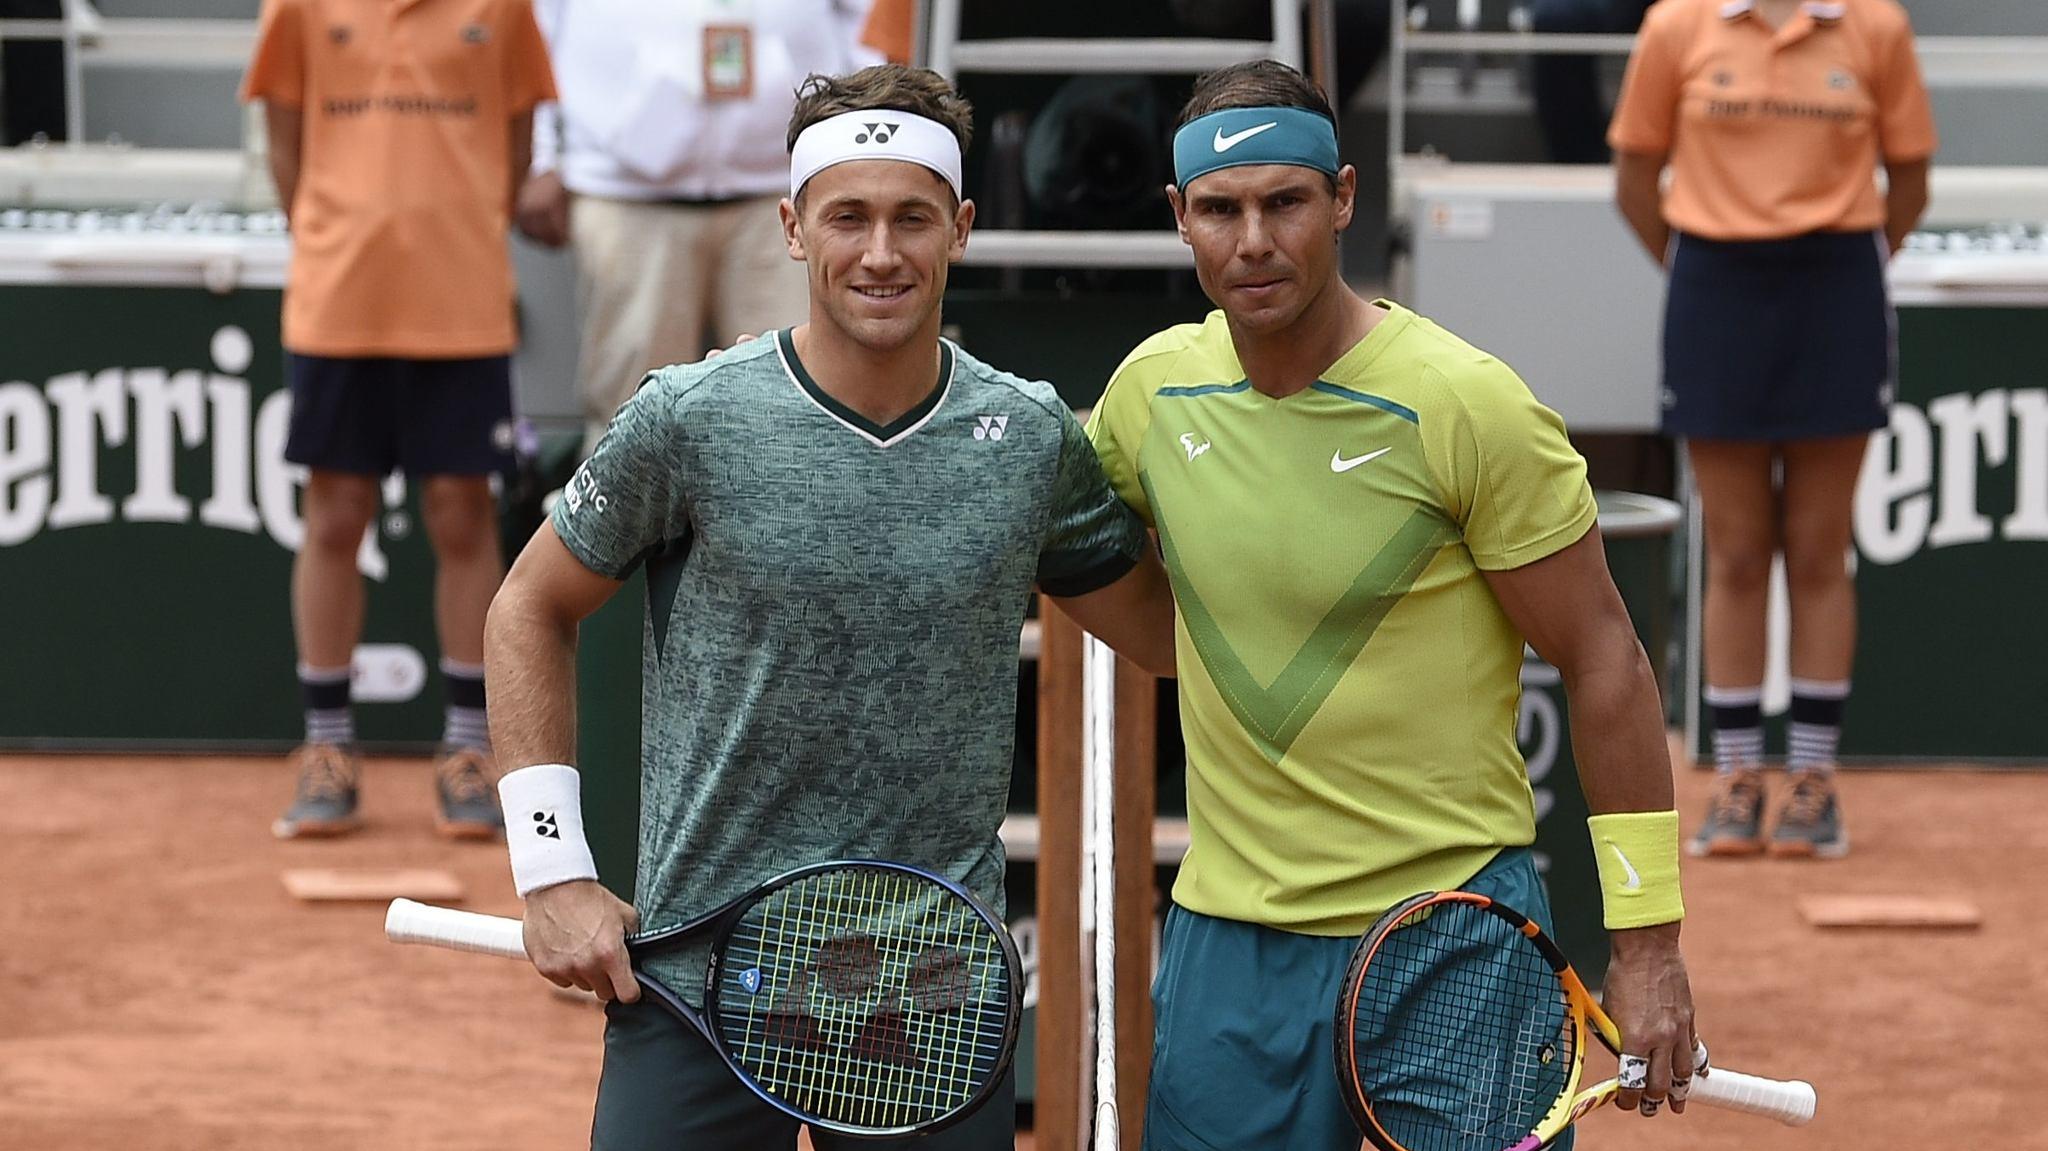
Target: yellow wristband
1637,852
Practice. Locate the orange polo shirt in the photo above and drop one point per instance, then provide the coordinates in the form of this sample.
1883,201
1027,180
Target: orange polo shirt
399,223
891,29
1774,132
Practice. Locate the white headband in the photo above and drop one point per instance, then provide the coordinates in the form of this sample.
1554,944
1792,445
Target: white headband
879,134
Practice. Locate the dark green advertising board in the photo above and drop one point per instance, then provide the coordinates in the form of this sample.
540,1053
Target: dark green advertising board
1951,535
1952,544
147,524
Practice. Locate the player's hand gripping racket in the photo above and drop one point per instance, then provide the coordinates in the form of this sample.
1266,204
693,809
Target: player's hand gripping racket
864,998
1461,1027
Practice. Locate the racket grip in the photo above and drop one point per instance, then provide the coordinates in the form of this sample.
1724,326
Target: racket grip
1108,1130
409,922
1788,1102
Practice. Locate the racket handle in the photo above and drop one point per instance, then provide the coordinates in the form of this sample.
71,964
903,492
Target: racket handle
1787,1102
1108,1130
409,922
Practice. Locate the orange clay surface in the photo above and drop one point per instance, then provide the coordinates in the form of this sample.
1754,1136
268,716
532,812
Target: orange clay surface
160,990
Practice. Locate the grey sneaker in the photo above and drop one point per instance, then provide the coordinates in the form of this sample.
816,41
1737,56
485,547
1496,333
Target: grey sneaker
1735,820
325,801
466,782
1810,826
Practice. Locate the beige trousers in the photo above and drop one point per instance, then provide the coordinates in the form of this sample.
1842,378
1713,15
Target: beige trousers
660,284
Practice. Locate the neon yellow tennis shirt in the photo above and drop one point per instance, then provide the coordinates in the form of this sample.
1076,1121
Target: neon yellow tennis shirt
1348,683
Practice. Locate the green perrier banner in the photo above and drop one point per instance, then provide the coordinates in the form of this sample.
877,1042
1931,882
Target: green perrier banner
1952,545
1951,533
147,526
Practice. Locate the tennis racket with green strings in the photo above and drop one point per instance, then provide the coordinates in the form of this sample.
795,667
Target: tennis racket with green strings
861,997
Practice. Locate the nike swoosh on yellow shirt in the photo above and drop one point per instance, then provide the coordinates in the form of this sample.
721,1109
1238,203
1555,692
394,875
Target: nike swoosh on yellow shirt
1339,464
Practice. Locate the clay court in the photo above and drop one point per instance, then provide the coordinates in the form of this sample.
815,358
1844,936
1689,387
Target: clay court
160,991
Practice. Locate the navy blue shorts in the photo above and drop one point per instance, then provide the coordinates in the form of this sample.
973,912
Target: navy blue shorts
430,417
665,1089
1778,339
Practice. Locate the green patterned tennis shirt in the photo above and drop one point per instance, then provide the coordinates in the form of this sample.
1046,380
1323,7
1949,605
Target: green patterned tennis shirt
830,655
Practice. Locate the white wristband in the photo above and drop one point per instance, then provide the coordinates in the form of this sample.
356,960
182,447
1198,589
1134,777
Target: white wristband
544,827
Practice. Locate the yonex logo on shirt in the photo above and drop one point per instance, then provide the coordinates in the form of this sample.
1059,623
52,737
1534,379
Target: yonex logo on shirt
991,427
880,134
544,825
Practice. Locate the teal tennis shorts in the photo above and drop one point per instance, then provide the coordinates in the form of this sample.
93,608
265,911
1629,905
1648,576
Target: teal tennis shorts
1242,1038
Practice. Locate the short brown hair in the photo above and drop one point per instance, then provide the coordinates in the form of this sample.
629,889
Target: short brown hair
1258,84
894,87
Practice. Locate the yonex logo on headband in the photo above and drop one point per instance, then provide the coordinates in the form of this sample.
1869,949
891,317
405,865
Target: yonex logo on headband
906,136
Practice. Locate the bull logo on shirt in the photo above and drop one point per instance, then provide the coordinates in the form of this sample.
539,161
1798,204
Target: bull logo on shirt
879,133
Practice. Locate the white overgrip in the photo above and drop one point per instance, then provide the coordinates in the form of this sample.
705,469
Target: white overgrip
410,922
1788,1102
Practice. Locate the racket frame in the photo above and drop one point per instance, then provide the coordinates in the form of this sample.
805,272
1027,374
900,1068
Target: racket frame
1588,1019
716,927
719,925
1561,1112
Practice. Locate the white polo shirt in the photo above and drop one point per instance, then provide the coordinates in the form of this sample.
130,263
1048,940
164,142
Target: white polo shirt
634,121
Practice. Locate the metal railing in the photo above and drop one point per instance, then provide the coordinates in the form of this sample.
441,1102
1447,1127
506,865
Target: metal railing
948,54
1946,62
90,38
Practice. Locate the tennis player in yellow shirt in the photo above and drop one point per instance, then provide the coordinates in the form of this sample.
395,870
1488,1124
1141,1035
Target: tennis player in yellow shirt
1363,518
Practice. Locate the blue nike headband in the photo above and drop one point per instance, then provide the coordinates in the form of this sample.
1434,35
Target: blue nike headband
1236,137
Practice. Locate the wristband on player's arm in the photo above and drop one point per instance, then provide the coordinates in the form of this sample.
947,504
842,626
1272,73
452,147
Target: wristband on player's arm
1637,852
543,807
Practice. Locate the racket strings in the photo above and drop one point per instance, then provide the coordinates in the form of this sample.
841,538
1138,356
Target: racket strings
1462,1032
866,997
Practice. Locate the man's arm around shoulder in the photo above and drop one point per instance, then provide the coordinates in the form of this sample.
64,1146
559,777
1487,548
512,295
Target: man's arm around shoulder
1134,615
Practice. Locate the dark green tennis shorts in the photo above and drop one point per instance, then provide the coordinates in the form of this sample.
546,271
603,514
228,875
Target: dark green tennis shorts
1242,1032
665,1089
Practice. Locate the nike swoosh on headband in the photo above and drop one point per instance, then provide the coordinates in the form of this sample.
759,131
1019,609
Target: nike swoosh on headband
1226,143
